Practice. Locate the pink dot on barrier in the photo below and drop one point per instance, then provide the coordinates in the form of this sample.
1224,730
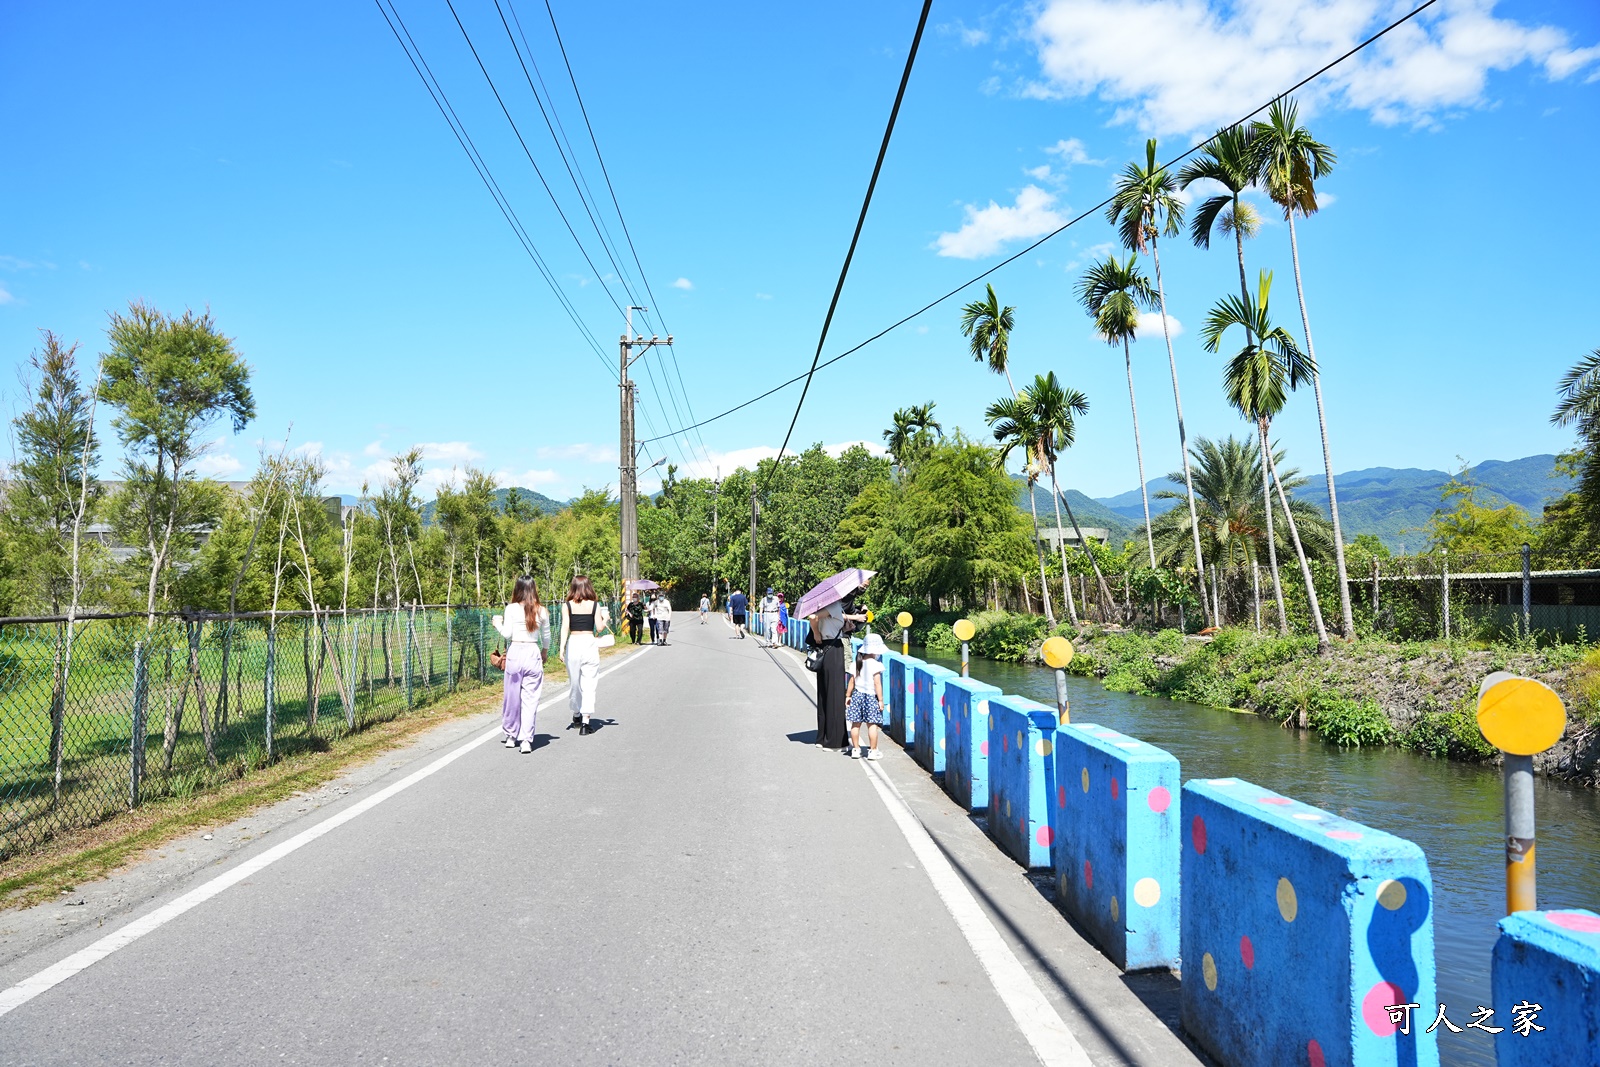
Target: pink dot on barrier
1314,1054
1045,836
1115,789
1005,742
1344,835
984,748
1088,874
1022,827
1375,1010
1575,920
1160,799
1061,796
1274,800
1197,834
1247,952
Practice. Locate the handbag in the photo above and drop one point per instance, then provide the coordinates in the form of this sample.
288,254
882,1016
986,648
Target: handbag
814,660
607,639
497,660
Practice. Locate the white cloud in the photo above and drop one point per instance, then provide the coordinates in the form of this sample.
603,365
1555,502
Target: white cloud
586,452
528,479
683,283
986,230
1073,153
971,36
728,462
1184,66
1041,173
6,297
373,449
1093,252
218,465
1150,325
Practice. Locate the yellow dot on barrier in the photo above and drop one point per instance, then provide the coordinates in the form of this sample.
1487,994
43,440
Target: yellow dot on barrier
1044,747
904,618
1392,894
1521,716
991,722
1115,914
1019,741
1288,903
963,629
1147,892
1086,779
1057,652
1208,968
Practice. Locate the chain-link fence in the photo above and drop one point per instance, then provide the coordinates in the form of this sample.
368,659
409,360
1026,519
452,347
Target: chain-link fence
124,712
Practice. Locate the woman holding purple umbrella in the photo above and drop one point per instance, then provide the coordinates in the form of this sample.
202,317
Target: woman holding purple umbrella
827,633
526,628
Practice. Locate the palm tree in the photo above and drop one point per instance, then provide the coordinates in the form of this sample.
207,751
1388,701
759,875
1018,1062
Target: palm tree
1055,409
1256,380
1290,161
1015,425
1113,292
1229,160
1580,407
989,326
897,439
1144,207
922,418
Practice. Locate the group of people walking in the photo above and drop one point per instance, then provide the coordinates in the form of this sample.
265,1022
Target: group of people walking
526,625
656,610
772,608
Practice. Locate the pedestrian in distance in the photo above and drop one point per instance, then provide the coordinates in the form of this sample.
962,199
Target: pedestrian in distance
662,616
827,633
634,614
650,613
583,617
526,628
783,620
864,697
769,617
737,606
705,608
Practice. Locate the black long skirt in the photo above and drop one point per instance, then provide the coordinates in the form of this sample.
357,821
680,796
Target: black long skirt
832,730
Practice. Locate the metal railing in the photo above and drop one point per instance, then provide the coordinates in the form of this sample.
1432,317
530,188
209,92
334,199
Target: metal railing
132,712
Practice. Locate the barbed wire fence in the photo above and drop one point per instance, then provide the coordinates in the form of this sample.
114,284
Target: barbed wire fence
139,712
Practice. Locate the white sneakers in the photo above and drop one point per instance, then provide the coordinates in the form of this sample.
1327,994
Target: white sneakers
509,742
858,753
527,746
874,754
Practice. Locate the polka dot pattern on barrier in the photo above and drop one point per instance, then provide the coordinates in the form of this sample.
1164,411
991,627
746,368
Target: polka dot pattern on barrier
1392,894
1061,796
1197,834
1344,835
1044,747
1575,921
1046,836
1115,915
1116,789
1314,1055
984,748
1088,874
1086,779
1159,799
1147,892
1288,902
1208,970
1374,1007
1247,952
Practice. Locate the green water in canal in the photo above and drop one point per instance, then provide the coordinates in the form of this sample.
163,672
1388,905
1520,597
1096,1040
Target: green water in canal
1452,810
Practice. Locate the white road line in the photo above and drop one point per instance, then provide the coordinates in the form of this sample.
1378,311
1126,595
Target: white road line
1044,1029
27,989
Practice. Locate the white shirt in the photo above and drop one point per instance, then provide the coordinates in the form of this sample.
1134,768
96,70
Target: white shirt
661,610
830,622
513,626
871,667
705,603
769,604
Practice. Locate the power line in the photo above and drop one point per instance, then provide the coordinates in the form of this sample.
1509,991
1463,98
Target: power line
1060,229
861,220
458,129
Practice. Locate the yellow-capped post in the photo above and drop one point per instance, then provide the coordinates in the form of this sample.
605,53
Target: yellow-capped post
1057,652
904,619
964,630
1521,717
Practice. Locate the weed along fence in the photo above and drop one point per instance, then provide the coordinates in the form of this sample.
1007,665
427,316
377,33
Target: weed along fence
130,713
1300,937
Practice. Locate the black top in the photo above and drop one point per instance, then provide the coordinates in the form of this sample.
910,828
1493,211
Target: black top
581,624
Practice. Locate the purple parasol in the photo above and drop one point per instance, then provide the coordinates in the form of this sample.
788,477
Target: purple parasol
642,583
832,590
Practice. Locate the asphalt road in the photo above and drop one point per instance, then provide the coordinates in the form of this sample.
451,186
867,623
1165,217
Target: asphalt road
693,883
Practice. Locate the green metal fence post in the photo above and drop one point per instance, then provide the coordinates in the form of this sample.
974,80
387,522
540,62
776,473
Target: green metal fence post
355,643
483,671
268,687
449,648
411,640
137,736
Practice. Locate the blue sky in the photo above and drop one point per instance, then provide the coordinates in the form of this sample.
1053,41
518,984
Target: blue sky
282,165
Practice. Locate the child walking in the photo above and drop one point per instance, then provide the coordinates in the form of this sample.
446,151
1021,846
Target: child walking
864,697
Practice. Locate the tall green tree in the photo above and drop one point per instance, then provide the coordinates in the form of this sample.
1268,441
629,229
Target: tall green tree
170,379
1056,409
1144,208
1114,292
1230,160
1578,406
988,325
1257,379
1015,426
1291,161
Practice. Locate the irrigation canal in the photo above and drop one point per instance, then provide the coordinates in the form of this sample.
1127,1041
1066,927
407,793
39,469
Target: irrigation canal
1452,810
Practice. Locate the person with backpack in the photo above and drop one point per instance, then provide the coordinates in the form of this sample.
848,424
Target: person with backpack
864,697
526,628
737,607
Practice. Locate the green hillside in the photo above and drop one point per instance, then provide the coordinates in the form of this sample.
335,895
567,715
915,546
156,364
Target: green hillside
1089,512
536,501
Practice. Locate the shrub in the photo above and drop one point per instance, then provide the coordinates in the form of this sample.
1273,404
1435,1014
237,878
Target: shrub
1350,723
941,640
1450,735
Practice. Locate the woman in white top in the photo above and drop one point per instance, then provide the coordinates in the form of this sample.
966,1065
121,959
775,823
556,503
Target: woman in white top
864,696
661,611
526,628
582,617
827,633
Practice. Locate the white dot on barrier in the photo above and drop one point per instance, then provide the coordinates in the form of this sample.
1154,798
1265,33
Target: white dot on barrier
1147,892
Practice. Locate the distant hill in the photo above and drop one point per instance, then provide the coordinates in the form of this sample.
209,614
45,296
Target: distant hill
1089,512
1394,503
534,500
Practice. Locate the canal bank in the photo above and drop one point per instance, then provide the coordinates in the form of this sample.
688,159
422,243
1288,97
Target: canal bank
1451,809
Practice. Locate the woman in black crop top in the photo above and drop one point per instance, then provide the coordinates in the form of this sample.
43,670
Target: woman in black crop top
582,615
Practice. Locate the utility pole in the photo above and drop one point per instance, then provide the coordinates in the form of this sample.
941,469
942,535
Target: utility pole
755,514
627,463
716,489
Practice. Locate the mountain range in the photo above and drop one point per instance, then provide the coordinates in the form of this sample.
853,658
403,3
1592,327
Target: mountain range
1392,503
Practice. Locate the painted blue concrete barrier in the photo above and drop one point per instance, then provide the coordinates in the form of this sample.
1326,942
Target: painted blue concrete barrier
1546,974
1021,777
1117,842
1298,930
928,717
966,731
891,662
